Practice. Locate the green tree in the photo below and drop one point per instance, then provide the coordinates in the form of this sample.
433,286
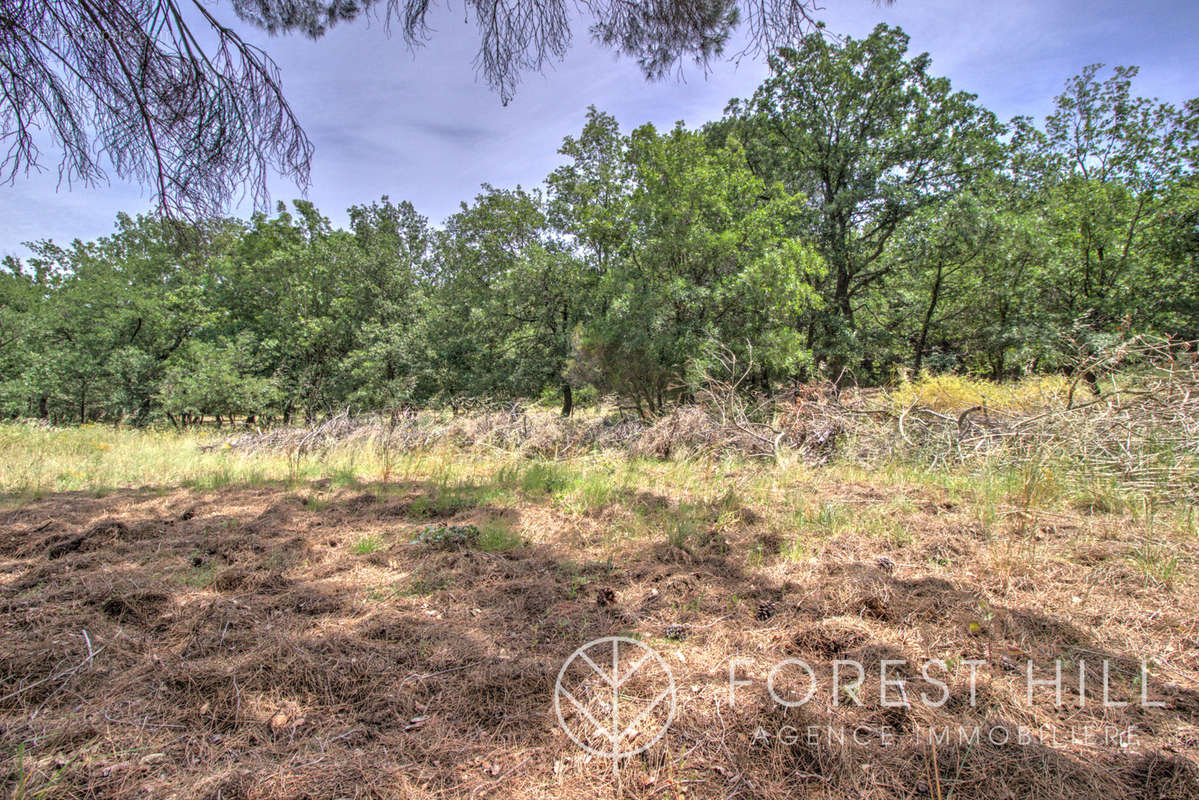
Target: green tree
871,137
964,278
110,313
508,298
703,256
215,378
1116,165
389,260
23,296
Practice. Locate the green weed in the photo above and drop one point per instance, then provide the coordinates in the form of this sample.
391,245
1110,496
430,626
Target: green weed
365,545
496,536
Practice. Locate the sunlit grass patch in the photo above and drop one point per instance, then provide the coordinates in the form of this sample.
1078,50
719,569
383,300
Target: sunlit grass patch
953,393
826,518
1099,495
35,459
593,489
1156,564
544,477
367,544
445,502
496,536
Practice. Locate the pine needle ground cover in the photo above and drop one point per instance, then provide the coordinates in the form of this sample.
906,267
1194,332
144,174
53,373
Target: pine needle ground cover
183,616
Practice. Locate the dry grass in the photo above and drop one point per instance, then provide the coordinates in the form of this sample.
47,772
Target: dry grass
952,394
262,625
1139,436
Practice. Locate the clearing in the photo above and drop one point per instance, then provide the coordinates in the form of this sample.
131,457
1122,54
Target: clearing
247,628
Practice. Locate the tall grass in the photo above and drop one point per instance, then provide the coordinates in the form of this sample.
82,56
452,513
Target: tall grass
36,460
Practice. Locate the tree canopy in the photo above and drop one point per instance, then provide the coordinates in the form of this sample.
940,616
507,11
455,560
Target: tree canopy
165,93
871,137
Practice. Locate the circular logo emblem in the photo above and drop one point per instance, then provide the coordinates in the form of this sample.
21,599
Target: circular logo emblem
615,697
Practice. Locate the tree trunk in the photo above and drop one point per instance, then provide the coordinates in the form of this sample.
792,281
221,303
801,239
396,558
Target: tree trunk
568,400
922,342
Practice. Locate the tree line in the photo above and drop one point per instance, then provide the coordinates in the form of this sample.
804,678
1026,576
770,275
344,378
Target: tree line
854,218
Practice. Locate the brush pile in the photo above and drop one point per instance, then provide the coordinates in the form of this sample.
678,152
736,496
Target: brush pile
1136,425
1129,416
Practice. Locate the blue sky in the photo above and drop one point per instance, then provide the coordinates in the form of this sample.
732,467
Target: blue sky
419,125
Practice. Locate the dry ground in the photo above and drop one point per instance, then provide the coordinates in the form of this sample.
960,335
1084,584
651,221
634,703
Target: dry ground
291,641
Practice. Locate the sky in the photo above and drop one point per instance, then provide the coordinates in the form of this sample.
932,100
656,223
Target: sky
420,125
